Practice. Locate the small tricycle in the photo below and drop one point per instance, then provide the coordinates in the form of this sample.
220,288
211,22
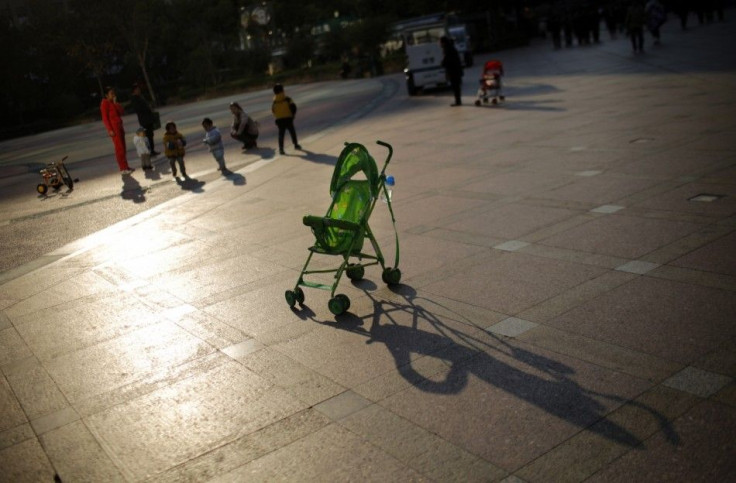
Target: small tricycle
54,176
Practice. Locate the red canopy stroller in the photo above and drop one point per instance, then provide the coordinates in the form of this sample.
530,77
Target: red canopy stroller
491,82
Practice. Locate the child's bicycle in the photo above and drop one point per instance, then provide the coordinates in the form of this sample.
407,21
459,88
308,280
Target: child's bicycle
54,176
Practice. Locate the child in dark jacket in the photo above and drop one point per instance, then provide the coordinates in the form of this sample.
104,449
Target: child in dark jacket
174,148
284,109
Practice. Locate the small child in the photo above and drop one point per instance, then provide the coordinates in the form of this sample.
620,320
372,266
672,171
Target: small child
213,140
174,148
142,148
284,110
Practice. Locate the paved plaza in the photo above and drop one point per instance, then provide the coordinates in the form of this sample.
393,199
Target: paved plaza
566,311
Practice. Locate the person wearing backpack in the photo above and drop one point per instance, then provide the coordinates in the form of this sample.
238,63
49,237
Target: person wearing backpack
284,110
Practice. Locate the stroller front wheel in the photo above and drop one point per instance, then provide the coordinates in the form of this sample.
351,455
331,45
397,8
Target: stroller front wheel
355,272
339,304
391,276
290,297
294,296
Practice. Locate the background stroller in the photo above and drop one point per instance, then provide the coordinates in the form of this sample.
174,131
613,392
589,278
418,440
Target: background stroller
342,231
490,82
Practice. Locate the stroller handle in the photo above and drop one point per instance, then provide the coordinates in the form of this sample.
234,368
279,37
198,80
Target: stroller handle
390,153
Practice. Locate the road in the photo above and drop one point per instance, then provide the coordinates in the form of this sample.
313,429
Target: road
32,225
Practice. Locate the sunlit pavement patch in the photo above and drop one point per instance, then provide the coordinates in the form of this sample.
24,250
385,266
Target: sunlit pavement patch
589,173
512,327
607,209
511,246
342,405
698,382
243,349
706,198
637,266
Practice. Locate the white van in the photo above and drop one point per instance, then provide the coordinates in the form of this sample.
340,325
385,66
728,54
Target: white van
421,40
424,58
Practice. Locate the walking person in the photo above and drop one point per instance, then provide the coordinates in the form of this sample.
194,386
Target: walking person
213,140
244,128
112,116
284,110
175,148
453,67
146,117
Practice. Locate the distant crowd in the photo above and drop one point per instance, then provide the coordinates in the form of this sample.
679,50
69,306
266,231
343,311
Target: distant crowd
571,22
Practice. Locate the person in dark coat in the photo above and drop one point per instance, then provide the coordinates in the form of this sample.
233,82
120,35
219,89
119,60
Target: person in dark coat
145,114
453,67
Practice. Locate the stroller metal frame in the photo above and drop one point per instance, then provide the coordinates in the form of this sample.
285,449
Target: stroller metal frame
54,176
342,231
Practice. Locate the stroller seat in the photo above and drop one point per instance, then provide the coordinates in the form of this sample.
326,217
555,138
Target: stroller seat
341,229
355,186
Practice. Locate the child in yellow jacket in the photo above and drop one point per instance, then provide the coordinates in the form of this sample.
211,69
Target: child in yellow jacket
174,148
284,110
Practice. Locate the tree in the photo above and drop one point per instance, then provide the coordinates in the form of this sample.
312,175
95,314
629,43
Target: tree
90,43
137,24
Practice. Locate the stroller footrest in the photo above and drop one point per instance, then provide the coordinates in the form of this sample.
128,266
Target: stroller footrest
320,286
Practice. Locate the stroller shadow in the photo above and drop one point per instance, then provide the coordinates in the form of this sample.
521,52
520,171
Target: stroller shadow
190,184
516,105
318,158
554,391
529,90
132,190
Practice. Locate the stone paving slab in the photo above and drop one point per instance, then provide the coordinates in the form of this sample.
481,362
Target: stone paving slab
565,312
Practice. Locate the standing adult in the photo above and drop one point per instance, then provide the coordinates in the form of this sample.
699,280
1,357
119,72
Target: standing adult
453,67
112,116
635,19
656,17
243,128
146,117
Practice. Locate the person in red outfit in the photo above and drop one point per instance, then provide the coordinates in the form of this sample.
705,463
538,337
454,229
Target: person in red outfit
112,112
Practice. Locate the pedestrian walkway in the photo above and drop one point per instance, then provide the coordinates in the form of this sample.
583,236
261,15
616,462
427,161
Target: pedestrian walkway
565,313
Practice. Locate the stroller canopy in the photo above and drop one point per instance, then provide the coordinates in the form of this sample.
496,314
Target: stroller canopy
354,159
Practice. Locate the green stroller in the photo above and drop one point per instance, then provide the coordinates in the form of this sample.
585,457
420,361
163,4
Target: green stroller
342,231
